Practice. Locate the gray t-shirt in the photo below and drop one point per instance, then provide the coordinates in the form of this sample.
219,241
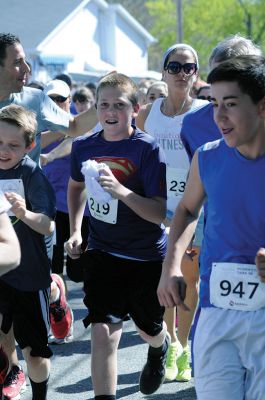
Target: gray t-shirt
49,115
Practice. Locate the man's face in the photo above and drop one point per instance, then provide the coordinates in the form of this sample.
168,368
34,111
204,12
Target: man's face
13,72
237,117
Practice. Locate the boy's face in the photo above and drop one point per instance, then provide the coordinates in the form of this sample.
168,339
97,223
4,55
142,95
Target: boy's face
83,106
12,145
237,117
115,112
13,74
155,93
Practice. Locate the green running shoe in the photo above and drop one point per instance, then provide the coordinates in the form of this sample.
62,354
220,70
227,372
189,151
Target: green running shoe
174,352
183,363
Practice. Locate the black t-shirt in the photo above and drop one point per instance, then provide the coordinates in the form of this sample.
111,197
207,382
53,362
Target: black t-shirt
33,273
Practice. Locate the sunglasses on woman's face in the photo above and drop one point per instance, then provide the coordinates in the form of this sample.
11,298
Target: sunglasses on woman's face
58,99
174,68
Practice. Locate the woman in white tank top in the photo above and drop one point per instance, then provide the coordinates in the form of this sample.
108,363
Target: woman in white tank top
163,120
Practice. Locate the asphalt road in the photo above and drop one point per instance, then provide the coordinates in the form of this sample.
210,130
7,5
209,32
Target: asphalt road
70,375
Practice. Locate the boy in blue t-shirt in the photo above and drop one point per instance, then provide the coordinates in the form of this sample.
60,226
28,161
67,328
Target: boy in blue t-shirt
24,291
127,242
229,341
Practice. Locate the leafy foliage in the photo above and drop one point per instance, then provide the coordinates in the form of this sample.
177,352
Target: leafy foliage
205,23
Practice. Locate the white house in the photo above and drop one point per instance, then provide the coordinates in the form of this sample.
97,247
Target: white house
77,36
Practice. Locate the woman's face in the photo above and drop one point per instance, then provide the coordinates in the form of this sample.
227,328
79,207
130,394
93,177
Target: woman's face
185,78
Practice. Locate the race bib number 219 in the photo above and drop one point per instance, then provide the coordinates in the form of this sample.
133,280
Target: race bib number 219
105,212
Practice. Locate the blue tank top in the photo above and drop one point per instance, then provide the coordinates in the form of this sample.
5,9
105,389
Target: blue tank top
235,225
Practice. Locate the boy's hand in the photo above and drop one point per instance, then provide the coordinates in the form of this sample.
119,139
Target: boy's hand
45,159
171,291
109,183
260,263
18,204
73,246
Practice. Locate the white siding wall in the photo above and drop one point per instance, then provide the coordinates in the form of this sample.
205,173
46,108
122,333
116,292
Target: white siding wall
94,35
79,38
131,51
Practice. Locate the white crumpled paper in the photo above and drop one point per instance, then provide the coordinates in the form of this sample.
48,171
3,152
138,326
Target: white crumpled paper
91,171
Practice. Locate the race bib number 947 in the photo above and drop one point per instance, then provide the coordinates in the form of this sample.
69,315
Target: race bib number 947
236,286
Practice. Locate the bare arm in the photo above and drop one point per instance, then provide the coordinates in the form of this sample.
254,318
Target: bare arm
9,245
151,209
49,137
82,123
181,231
62,150
142,116
38,222
76,199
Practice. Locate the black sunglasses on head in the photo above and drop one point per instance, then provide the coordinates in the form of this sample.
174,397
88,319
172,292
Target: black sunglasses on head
174,68
58,99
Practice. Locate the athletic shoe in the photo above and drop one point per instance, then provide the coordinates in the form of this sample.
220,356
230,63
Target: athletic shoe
60,312
174,352
69,338
15,383
153,373
4,365
183,363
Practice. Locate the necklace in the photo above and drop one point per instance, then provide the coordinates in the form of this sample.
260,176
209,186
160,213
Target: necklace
177,113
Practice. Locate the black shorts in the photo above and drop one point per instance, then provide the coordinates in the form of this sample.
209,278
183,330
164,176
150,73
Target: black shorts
29,314
74,268
117,289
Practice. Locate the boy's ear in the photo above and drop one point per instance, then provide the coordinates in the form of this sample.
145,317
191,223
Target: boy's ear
136,110
31,146
262,107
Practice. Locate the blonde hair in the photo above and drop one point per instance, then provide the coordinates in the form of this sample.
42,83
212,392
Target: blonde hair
116,80
22,118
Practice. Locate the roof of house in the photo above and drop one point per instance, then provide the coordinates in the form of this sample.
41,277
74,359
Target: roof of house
34,20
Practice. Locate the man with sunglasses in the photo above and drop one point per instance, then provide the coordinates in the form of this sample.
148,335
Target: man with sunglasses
60,93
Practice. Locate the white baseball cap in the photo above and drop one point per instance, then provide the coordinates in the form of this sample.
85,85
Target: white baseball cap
57,87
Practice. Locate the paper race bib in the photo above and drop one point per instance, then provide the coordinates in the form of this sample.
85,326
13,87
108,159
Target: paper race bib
12,185
176,181
236,286
4,204
106,212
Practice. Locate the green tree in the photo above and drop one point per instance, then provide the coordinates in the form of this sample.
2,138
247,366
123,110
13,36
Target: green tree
206,22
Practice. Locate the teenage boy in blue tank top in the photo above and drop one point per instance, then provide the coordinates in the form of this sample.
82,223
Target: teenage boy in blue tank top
127,242
229,340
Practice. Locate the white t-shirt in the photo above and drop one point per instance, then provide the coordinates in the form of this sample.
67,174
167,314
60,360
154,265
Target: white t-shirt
166,130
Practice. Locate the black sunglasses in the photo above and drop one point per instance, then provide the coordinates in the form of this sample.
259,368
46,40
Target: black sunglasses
58,99
204,97
174,68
